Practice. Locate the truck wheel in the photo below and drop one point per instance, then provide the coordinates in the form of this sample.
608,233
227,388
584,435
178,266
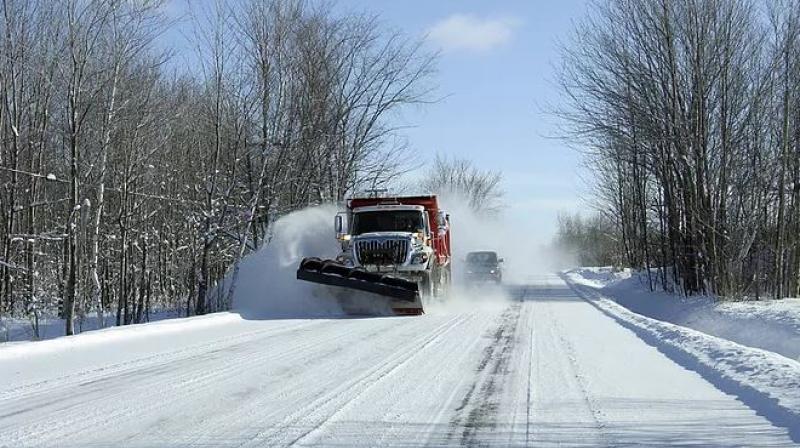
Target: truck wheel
443,280
426,285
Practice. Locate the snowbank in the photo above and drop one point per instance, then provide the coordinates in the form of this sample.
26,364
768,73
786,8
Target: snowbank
764,380
17,329
772,325
114,335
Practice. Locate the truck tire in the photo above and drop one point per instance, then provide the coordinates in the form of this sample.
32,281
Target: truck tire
442,275
448,277
427,288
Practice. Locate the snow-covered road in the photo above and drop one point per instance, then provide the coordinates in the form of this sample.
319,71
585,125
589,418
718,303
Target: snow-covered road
547,368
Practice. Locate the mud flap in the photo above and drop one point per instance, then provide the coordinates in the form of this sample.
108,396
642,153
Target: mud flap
405,293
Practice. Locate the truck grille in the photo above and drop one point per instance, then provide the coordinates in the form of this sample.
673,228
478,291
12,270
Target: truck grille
381,252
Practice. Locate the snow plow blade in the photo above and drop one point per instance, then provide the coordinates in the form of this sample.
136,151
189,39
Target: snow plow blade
330,272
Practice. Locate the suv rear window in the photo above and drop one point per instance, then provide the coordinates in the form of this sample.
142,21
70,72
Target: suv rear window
482,258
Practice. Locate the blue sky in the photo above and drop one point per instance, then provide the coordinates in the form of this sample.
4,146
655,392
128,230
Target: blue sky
496,75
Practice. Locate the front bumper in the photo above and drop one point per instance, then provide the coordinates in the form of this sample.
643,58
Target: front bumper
410,269
407,269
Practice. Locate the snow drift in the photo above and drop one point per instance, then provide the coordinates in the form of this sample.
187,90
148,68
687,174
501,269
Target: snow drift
772,325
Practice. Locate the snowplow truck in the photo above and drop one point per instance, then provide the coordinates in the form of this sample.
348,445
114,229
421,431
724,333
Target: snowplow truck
397,247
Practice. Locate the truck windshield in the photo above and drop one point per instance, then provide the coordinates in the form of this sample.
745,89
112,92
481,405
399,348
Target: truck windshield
388,221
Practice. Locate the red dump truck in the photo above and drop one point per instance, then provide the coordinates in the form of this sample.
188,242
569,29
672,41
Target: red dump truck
398,247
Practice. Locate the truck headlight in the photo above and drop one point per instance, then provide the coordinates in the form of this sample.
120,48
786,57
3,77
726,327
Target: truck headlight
419,258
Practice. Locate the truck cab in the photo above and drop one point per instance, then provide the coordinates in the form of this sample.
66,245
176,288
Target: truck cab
387,238
408,237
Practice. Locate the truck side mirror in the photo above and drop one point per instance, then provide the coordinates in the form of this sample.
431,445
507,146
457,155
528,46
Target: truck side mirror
338,223
501,260
339,226
441,219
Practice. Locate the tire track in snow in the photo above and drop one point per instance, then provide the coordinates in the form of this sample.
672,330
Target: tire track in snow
38,399
313,416
564,352
529,363
478,408
388,368
580,378
148,393
413,406
461,357
42,387
263,401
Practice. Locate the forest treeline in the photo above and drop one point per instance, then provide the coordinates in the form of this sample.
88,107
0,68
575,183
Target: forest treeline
132,184
690,115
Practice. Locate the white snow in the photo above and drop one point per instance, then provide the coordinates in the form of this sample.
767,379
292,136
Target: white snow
764,380
18,329
547,368
540,363
772,325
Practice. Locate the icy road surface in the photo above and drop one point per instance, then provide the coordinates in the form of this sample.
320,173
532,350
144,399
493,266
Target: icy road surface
545,369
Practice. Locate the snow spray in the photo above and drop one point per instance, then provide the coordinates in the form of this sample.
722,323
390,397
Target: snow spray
267,287
524,257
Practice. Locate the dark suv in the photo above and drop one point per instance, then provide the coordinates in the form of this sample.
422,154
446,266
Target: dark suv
484,266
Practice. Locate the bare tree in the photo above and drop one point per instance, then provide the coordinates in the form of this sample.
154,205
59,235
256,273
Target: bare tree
127,185
683,108
461,178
